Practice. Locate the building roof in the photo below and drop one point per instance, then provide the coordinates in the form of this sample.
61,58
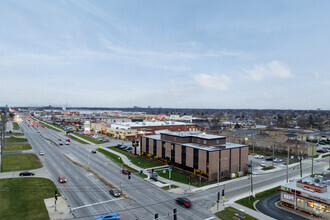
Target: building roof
129,125
194,134
219,147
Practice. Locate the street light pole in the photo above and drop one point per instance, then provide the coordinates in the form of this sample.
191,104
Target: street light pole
287,167
273,151
219,170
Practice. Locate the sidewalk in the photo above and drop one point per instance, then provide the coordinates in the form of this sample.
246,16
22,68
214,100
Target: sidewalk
59,211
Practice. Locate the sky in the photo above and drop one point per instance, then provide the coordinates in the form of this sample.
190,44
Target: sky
179,54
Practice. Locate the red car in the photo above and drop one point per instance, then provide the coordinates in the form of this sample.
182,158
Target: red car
94,151
68,140
59,139
125,171
61,179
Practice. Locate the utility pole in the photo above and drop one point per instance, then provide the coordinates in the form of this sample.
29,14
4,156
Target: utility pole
273,152
300,158
312,161
3,135
253,145
251,178
287,166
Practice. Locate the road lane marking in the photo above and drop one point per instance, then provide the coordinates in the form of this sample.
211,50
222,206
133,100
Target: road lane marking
209,218
79,207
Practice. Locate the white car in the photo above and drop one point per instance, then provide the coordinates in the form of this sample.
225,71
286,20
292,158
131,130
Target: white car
67,143
259,157
263,163
41,153
278,160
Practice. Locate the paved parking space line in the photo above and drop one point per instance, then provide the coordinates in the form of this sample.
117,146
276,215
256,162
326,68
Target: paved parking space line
79,207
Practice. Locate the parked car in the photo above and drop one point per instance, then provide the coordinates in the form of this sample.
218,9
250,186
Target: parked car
41,153
62,179
108,216
278,160
129,148
93,151
269,158
114,192
124,148
184,202
322,151
26,173
104,140
259,157
322,143
263,164
125,171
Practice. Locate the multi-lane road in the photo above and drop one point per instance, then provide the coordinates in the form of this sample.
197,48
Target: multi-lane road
88,196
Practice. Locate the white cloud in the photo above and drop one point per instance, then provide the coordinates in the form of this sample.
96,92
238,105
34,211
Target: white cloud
215,82
274,69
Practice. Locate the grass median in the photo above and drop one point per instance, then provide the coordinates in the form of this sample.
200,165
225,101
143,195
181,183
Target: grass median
16,140
14,134
16,126
23,198
88,138
76,139
229,213
50,127
248,201
17,147
16,162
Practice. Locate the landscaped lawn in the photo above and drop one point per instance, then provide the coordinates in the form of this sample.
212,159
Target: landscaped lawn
229,213
248,201
14,140
144,162
16,162
89,138
50,127
17,147
23,198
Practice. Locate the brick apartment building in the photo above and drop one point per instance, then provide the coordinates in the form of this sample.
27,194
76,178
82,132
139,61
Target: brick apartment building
203,154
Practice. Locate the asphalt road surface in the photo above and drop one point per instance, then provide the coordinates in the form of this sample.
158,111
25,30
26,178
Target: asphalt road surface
88,196
268,207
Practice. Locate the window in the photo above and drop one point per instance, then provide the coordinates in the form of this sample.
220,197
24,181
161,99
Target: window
199,141
218,141
318,206
204,141
175,139
288,197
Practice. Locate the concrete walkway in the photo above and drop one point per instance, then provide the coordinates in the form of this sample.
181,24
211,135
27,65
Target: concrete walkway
59,211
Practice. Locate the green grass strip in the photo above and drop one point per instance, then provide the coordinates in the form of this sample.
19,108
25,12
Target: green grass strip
48,126
248,201
17,147
16,162
229,213
14,140
14,134
88,138
76,139
16,126
326,155
23,198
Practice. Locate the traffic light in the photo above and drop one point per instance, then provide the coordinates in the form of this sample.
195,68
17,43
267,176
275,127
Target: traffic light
188,178
55,195
223,194
129,175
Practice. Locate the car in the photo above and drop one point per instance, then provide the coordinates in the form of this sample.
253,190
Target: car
67,143
263,164
269,158
62,179
278,160
41,153
104,140
322,151
60,143
59,139
68,140
259,157
125,171
322,143
122,147
125,148
114,192
93,151
184,202
26,173
108,216
129,148
118,145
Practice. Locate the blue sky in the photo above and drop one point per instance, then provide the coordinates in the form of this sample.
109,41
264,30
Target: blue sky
180,54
